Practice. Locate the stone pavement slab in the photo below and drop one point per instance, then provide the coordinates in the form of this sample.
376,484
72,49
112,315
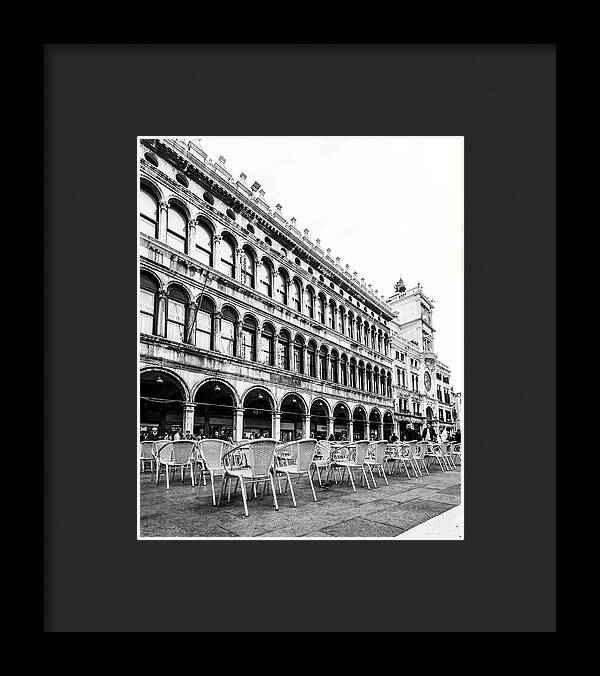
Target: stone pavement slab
385,511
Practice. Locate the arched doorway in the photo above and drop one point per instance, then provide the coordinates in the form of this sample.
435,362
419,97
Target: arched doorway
214,415
341,418
258,409
360,423
388,425
293,410
161,401
374,420
319,419
429,414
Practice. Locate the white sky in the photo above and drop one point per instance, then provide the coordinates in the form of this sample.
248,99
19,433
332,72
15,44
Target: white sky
389,206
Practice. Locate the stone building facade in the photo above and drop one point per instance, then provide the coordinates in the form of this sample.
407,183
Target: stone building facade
247,325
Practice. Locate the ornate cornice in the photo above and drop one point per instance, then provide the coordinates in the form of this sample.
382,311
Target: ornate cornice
211,181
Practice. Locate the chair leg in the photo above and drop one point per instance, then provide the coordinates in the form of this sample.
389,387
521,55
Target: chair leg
289,483
366,477
312,487
157,472
351,478
243,485
387,483
273,489
212,486
167,468
372,477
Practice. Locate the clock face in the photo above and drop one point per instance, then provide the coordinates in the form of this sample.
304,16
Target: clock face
427,381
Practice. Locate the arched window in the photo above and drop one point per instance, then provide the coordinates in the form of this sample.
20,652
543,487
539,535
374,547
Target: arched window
247,267
358,330
332,313
227,264
283,350
388,381
176,314
342,320
177,229
335,364
369,372
296,295
228,337
309,301
323,363
353,373
282,288
366,333
344,370
267,345
265,278
148,220
351,325
361,376
249,338
312,359
376,380
321,309
379,341
204,325
204,243
148,301
298,355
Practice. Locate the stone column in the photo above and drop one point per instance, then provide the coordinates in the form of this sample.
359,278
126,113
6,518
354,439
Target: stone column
190,323
239,424
216,254
161,314
162,221
350,430
306,429
276,424
188,417
217,332
191,238
305,359
380,431
238,339
329,426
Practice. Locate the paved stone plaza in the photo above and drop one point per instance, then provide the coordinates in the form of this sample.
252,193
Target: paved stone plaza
386,511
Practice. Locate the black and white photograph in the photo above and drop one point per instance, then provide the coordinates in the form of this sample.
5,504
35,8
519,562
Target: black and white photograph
300,348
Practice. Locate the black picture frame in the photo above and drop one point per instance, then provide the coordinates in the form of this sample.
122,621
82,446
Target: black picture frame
98,99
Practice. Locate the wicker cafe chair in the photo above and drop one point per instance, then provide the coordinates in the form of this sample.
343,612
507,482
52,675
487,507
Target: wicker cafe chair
435,453
447,454
147,455
299,456
322,459
418,457
176,455
210,459
256,468
376,458
405,456
456,452
350,462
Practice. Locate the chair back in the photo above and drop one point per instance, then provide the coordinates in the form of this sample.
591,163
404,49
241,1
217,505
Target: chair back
158,445
258,453
361,450
343,451
211,452
415,450
446,448
324,448
378,449
147,450
182,451
436,449
302,451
